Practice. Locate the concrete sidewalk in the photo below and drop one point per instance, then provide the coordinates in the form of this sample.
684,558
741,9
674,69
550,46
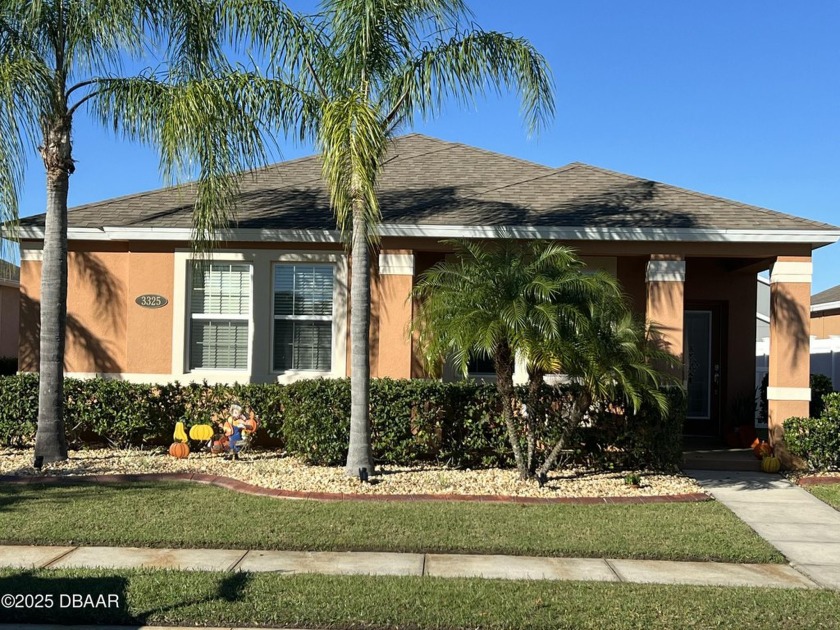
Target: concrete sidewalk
431,565
800,526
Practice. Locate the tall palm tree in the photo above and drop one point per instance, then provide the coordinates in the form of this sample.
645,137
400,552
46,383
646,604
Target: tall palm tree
500,300
374,66
59,57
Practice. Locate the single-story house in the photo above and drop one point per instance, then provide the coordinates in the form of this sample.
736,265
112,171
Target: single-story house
272,304
825,313
9,309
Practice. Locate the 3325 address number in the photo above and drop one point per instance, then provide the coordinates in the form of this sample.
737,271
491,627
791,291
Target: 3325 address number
151,300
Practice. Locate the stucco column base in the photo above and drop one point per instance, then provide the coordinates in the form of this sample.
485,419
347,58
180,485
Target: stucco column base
778,412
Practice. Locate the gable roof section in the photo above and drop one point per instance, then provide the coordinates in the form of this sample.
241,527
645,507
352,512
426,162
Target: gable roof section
432,187
826,300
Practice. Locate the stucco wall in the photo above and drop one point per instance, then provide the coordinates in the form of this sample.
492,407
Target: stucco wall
825,324
9,319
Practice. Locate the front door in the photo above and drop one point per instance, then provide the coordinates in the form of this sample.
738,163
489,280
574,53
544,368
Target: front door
704,369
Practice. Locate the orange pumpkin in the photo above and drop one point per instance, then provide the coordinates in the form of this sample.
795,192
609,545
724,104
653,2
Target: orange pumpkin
179,450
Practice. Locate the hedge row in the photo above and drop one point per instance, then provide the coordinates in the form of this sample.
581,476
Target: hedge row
817,440
412,420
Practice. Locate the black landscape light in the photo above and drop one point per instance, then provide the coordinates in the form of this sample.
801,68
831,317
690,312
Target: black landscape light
39,462
542,479
363,475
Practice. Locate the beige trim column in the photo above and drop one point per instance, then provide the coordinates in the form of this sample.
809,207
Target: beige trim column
788,391
665,299
394,284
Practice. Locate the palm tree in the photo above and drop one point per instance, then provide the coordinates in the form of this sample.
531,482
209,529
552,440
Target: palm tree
374,66
500,300
204,116
613,362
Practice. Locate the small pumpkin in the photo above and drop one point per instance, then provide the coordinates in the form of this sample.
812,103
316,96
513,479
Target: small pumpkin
201,432
771,464
179,450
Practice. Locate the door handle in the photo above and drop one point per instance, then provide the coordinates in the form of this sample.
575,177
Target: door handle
716,377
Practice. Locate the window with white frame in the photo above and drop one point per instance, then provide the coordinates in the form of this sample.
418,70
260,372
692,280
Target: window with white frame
220,308
303,317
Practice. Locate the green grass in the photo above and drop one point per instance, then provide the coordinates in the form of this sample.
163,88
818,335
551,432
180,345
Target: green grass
187,515
235,599
830,493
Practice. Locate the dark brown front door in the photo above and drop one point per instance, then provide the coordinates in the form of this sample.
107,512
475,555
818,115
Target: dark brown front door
705,368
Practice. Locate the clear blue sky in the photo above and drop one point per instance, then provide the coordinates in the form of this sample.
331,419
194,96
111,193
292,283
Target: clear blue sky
737,99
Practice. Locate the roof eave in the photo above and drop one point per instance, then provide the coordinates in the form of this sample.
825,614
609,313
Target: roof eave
814,237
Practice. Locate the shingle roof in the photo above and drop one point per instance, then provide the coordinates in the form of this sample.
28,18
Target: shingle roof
427,181
827,296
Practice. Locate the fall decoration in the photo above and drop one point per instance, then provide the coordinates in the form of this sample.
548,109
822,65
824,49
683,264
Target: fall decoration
770,464
179,450
180,435
201,432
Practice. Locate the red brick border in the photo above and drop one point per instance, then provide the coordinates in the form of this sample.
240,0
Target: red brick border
246,488
814,481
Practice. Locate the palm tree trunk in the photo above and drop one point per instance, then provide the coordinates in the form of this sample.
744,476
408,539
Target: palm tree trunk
578,409
50,442
359,449
504,363
535,381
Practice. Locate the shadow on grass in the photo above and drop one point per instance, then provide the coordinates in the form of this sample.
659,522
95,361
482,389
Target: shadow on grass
30,597
75,490
63,598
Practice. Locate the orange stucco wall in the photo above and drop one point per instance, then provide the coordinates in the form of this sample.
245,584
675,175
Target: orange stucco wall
9,320
825,324
106,331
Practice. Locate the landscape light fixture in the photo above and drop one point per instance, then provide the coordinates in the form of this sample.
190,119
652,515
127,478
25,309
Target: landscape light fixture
542,479
363,475
39,462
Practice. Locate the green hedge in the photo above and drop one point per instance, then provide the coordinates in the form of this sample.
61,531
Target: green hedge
412,420
817,440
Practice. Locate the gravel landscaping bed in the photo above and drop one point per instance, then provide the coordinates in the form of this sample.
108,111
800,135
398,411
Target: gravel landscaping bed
269,469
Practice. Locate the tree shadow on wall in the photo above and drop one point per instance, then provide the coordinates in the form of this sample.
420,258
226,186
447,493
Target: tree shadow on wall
78,335
108,297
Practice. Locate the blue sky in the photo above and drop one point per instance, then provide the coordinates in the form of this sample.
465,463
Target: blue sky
737,99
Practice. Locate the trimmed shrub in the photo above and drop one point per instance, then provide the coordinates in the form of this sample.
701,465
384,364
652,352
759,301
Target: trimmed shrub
817,440
459,424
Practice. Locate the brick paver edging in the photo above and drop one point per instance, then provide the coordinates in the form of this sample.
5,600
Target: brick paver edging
814,481
247,488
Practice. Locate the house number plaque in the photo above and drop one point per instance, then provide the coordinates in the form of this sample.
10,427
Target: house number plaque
151,300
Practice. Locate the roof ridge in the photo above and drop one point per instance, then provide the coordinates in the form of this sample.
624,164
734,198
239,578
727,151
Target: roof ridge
702,195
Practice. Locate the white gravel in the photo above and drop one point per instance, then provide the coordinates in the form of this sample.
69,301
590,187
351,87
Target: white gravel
270,469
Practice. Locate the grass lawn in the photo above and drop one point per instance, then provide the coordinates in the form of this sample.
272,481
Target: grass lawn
237,599
188,515
830,493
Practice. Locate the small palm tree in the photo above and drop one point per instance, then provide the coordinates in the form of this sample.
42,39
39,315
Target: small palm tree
500,300
373,66
60,56
614,361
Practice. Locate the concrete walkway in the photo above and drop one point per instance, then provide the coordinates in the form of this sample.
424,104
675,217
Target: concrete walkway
432,565
800,526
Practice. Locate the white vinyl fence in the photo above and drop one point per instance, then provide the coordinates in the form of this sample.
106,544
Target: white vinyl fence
825,359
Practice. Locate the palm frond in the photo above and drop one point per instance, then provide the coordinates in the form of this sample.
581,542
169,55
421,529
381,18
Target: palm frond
352,143
466,66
